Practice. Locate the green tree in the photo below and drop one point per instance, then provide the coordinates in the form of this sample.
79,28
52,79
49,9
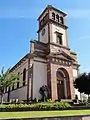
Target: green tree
7,79
82,83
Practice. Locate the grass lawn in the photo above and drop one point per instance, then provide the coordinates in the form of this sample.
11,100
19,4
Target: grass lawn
42,113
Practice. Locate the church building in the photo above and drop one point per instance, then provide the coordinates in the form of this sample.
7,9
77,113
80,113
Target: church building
50,61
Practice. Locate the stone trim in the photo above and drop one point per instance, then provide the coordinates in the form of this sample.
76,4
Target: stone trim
54,22
59,58
32,83
40,61
49,7
38,42
49,78
42,13
61,62
58,24
57,45
76,66
28,79
73,53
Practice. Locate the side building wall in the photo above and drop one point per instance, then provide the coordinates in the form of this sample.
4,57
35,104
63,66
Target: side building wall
21,92
39,76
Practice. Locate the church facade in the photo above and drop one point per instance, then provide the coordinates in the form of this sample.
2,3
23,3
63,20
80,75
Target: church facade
50,62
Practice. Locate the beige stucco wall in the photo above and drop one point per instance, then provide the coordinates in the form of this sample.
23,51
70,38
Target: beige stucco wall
44,38
55,28
20,93
39,77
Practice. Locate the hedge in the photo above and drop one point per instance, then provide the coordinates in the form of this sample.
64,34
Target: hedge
35,107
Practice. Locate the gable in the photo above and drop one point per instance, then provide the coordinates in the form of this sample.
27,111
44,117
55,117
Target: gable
63,55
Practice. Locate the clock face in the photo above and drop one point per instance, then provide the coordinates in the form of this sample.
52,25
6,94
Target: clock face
43,32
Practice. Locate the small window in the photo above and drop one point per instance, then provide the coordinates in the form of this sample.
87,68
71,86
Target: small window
59,39
18,81
24,76
53,16
57,18
61,20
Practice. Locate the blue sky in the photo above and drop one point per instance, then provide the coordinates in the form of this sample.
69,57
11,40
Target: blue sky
18,25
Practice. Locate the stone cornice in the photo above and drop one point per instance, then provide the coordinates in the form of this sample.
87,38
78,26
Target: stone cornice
49,7
73,53
52,43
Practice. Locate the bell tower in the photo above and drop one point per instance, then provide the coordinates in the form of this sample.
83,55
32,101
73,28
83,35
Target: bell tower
52,27
61,62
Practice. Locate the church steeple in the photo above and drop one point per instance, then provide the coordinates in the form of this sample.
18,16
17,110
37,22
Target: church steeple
52,27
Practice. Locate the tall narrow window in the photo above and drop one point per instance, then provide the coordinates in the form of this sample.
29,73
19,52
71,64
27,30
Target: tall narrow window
59,39
24,76
57,18
18,81
53,16
61,20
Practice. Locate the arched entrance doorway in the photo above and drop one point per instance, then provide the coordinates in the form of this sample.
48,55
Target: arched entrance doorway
63,84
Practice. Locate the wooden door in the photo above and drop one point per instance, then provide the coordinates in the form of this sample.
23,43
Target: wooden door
60,90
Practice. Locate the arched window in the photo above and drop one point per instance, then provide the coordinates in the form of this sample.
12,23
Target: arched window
18,80
59,39
24,76
61,20
53,16
57,18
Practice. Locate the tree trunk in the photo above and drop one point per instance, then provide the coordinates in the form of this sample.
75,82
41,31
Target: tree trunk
2,98
88,96
8,97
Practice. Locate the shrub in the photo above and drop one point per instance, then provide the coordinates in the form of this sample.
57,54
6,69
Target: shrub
37,106
36,100
49,101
